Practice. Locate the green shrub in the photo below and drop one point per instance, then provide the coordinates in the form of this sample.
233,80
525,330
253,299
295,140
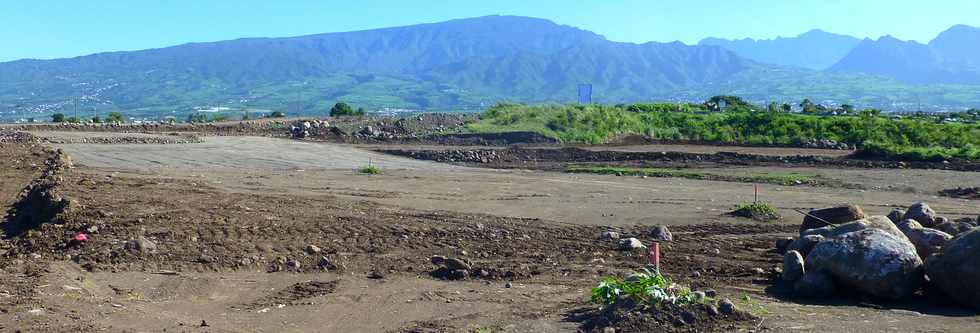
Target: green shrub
758,210
343,109
369,170
276,114
115,117
58,118
646,287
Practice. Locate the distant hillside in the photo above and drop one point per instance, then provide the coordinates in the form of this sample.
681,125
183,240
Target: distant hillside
950,58
815,49
464,64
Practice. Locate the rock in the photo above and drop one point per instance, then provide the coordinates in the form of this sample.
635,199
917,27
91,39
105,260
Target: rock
631,244
783,243
608,330
834,215
793,268
312,249
141,245
711,293
699,296
725,306
758,271
814,284
804,244
870,261
907,225
954,228
508,285
876,222
895,215
376,275
956,268
456,264
940,220
922,213
662,234
437,260
609,235
927,240
325,263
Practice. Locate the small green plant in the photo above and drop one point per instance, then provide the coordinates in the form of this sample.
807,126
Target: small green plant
758,210
646,287
369,170
752,305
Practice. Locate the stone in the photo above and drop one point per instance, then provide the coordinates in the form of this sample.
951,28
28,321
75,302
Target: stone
793,267
954,228
922,213
895,215
609,235
804,244
870,261
940,220
630,244
699,296
376,275
141,245
783,243
955,270
876,222
725,306
927,240
437,260
312,249
711,293
456,264
325,263
834,215
508,285
814,284
660,233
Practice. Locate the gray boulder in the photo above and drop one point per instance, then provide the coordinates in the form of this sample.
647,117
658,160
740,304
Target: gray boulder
815,284
922,213
870,261
873,222
835,215
927,240
662,234
954,228
956,268
609,235
631,244
804,244
783,243
793,266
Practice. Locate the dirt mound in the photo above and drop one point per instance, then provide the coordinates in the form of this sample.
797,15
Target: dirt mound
41,201
667,318
516,157
296,294
962,193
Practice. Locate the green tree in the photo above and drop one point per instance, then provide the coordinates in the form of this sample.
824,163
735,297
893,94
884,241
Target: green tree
115,117
847,108
96,119
808,106
773,107
344,109
58,117
787,107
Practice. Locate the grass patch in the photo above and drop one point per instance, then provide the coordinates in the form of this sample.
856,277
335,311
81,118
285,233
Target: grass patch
789,179
752,305
759,210
369,170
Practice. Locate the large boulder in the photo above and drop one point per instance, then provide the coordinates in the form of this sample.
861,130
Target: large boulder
956,268
954,228
835,215
873,222
895,215
870,261
922,213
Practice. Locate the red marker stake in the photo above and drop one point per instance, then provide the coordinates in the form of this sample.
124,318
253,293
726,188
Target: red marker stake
655,256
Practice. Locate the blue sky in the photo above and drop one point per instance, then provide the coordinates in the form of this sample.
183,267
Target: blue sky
54,29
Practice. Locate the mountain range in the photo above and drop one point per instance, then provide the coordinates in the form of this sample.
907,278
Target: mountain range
467,64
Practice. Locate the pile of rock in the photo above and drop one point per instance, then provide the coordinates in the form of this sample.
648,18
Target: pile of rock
450,268
887,257
307,128
14,136
825,144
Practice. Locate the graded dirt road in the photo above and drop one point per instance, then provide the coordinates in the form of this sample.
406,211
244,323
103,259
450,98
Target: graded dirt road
268,165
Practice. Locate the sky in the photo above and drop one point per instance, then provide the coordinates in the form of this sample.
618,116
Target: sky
44,29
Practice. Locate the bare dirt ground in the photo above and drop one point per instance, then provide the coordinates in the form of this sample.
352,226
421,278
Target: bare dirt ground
225,212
